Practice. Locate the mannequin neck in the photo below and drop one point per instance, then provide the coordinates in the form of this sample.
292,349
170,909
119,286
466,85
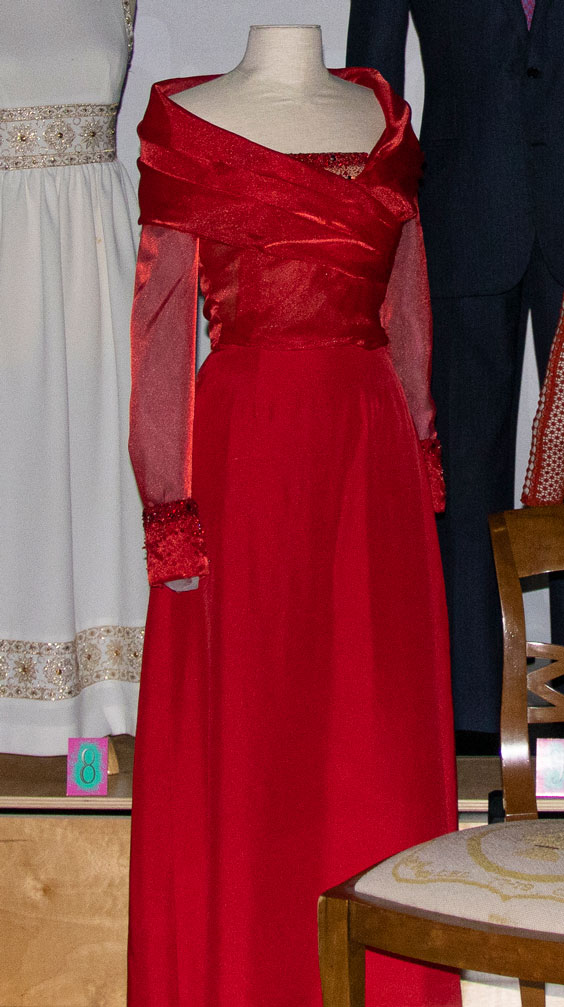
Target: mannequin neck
282,96
290,56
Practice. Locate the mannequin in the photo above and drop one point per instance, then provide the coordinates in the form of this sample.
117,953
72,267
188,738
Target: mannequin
282,96
288,477
494,144
74,600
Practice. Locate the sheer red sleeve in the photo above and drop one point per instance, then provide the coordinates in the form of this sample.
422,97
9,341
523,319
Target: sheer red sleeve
406,317
544,482
163,336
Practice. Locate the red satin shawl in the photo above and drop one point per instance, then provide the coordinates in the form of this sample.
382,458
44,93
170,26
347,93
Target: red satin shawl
214,200
200,178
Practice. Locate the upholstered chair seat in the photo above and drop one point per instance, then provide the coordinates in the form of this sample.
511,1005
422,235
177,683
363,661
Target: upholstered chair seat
510,874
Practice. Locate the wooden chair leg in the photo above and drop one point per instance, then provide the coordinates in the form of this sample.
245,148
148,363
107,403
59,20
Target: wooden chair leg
341,961
532,994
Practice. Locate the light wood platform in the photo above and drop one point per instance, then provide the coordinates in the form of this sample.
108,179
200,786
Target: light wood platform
64,878
63,910
29,783
477,775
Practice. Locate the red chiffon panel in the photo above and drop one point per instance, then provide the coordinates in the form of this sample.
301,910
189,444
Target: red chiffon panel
407,320
294,719
163,364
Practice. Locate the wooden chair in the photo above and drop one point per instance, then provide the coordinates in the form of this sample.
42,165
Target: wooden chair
491,898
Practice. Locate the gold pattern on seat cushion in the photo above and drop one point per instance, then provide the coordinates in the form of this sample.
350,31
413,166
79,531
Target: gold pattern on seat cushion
511,873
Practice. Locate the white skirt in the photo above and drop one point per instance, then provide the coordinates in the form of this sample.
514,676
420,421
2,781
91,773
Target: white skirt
72,574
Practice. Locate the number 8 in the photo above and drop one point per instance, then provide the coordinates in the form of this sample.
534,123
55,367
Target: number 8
88,769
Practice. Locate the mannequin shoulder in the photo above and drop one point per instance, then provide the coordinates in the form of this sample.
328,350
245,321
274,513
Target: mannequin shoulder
207,97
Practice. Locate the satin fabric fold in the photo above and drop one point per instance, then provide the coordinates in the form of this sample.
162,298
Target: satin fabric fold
198,177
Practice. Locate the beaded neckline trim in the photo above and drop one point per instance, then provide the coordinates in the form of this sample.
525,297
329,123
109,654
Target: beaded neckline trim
128,17
348,164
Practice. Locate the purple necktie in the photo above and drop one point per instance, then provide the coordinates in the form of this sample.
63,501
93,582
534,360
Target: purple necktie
528,7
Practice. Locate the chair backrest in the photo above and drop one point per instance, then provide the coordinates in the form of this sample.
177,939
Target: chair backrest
525,543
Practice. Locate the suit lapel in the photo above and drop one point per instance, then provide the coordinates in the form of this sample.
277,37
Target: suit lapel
541,8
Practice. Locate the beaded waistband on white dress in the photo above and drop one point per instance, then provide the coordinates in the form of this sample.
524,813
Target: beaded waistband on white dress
44,136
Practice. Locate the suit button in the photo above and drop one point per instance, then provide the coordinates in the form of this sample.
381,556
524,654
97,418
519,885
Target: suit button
533,71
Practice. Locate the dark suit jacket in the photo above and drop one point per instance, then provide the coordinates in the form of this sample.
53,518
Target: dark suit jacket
492,131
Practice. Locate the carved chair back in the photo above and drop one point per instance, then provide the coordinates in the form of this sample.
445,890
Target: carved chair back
525,543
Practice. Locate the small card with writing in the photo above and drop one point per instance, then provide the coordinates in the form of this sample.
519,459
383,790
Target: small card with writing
87,767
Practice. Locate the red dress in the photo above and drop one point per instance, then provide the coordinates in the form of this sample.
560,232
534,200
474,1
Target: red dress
295,718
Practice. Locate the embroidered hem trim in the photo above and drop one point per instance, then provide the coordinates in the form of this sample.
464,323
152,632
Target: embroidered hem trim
57,671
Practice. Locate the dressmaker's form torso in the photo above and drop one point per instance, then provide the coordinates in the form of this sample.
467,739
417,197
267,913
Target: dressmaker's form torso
282,96
73,601
60,54
493,219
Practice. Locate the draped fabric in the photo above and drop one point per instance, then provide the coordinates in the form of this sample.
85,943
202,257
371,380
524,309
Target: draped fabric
544,481
529,9
214,202
289,477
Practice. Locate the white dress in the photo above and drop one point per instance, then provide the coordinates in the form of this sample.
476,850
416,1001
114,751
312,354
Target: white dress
72,573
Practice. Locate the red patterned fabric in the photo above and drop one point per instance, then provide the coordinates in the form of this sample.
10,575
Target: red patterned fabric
529,8
174,541
432,455
270,761
544,482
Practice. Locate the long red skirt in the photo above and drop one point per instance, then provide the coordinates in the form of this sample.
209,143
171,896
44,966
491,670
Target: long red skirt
295,717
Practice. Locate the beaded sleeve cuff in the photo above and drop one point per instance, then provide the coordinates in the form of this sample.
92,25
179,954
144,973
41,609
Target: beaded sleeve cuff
432,455
174,541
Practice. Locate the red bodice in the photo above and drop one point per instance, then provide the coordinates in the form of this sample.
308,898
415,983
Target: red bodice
254,299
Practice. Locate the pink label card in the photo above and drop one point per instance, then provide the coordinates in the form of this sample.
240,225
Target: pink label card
87,767
550,767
